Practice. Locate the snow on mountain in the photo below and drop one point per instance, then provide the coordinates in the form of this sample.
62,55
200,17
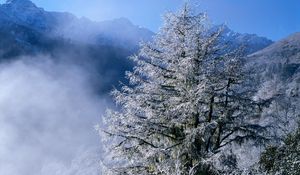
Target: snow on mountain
250,42
277,70
281,58
285,51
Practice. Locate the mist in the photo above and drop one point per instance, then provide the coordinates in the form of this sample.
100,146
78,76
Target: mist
47,115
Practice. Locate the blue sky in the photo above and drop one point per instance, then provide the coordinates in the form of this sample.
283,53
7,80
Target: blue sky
274,19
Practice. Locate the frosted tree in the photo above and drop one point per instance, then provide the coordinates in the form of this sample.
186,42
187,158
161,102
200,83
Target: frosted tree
283,156
284,159
284,111
187,104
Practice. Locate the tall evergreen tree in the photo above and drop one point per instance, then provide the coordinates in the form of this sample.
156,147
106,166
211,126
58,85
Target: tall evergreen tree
188,103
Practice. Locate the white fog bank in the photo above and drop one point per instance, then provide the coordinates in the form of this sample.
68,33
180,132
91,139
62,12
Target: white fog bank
47,114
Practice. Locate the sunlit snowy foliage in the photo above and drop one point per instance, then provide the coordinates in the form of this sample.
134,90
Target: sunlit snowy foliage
188,105
284,159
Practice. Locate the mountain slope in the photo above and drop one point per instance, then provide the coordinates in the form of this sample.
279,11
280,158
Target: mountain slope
27,30
281,58
277,70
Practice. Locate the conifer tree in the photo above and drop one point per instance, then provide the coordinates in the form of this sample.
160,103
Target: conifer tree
284,159
188,103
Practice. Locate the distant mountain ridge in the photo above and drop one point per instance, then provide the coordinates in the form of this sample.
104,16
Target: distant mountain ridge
250,42
68,26
62,24
281,58
102,47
